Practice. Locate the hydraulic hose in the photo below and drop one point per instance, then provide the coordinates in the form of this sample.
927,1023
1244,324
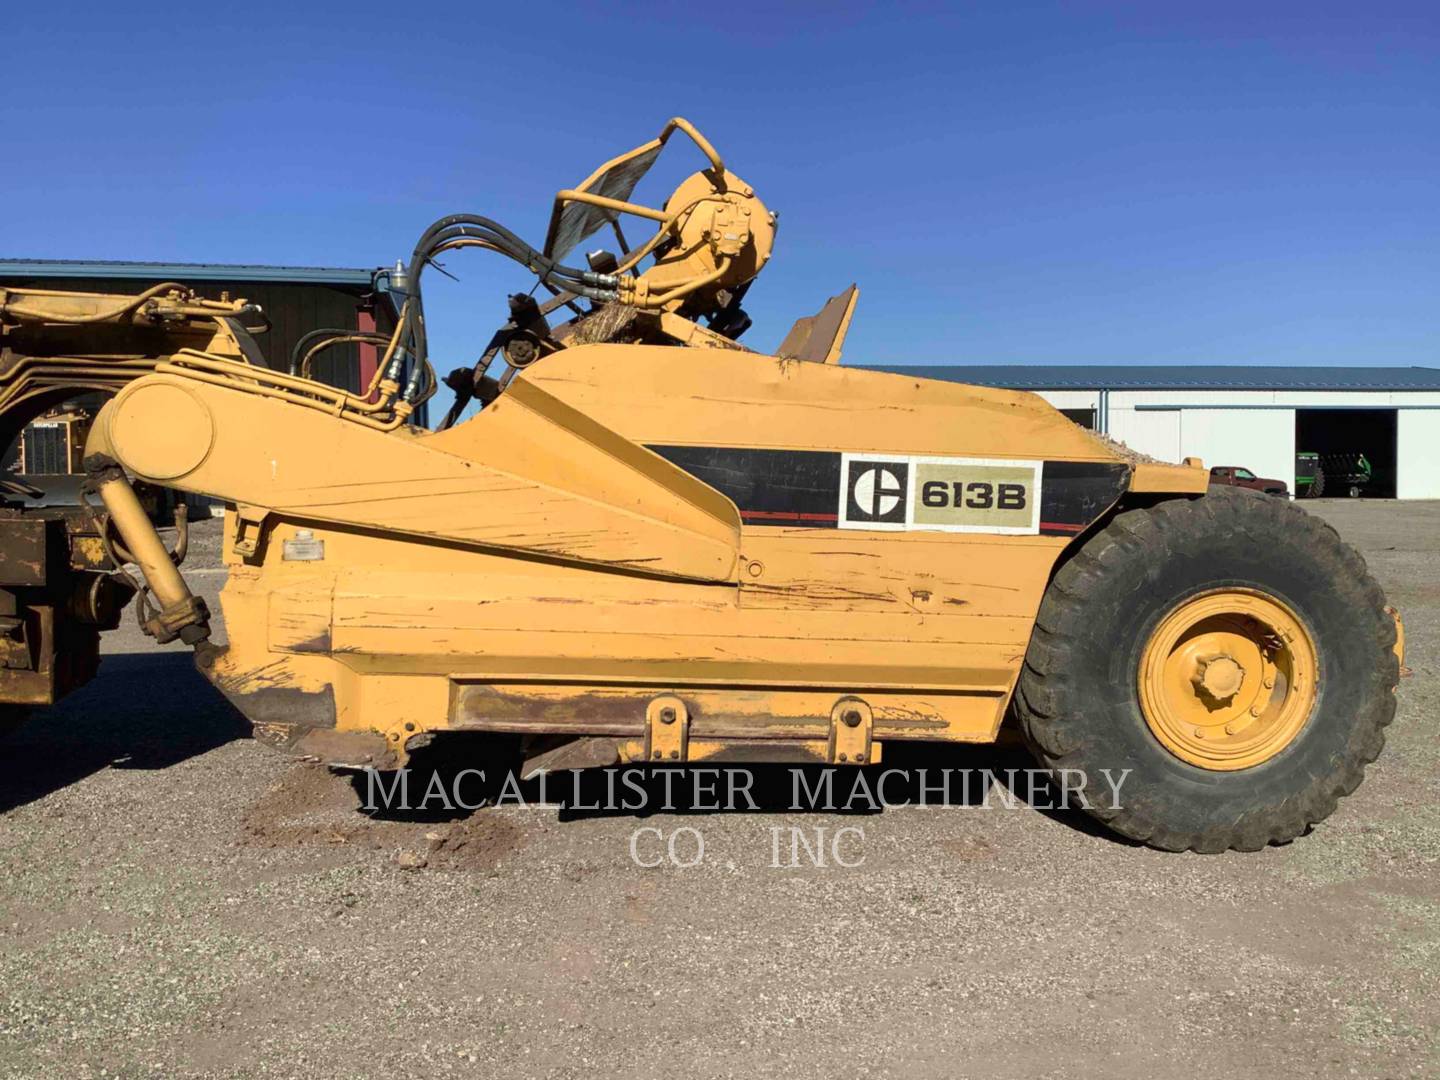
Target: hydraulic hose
309,339
101,316
462,230
330,343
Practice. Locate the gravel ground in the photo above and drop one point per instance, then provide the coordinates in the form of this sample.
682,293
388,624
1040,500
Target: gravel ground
181,902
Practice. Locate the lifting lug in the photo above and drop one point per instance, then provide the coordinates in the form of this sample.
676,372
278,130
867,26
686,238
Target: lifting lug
667,729
851,726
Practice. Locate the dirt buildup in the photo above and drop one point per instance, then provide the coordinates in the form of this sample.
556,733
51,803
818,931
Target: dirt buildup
1134,457
610,323
313,806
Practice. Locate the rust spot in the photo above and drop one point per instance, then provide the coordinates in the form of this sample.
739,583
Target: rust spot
484,705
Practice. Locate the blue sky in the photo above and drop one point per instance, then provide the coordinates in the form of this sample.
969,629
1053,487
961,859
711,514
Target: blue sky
1014,182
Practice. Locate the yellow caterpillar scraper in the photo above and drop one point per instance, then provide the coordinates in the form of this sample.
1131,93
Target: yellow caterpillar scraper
647,543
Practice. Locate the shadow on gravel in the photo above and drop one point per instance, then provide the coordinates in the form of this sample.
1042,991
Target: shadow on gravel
441,785
154,710
143,711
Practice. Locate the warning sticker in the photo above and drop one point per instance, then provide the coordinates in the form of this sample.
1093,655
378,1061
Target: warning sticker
939,494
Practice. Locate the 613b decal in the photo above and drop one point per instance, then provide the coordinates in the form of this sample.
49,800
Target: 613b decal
939,494
977,495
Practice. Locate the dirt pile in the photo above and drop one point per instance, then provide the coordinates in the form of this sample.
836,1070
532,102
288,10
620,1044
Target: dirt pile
315,806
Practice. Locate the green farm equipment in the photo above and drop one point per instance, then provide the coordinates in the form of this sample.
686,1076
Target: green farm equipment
1322,474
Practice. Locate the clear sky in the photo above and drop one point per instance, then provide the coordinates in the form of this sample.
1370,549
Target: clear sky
1008,182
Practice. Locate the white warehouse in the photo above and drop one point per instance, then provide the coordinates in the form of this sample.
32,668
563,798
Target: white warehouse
1257,418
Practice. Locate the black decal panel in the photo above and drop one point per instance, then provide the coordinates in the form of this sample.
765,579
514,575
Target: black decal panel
771,487
803,488
1074,493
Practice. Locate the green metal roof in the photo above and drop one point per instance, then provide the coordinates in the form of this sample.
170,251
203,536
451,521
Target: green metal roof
185,272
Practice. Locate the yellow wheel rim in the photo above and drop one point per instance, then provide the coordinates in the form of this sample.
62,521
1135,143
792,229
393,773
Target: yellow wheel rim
1228,679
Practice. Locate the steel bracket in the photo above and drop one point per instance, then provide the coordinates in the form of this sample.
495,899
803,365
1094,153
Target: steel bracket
667,729
249,521
851,726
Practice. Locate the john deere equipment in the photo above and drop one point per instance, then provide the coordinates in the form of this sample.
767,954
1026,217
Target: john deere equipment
633,539
1330,474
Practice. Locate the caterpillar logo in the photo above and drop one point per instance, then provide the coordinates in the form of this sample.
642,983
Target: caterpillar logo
939,494
877,492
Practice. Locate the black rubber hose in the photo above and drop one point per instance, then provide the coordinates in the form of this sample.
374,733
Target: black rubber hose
585,283
309,339
458,225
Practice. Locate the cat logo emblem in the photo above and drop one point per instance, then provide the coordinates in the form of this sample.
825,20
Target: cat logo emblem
876,493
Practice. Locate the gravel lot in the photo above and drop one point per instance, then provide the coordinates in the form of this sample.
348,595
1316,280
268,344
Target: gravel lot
181,902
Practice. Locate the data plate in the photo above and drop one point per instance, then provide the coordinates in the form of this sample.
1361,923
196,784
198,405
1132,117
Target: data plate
303,547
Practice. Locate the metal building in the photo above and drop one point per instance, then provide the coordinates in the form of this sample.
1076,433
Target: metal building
296,300
1258,418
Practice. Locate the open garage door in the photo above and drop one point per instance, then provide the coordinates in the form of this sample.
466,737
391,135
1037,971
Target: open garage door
1350,450
1084,417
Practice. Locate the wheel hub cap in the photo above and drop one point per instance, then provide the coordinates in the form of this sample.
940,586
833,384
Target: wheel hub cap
1218,677
1228,679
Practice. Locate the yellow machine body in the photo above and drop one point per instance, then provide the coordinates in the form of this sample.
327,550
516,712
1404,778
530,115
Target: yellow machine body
649,543
641,541
551,567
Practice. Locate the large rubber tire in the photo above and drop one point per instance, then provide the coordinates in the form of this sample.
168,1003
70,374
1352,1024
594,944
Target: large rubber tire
1078,696
1317,486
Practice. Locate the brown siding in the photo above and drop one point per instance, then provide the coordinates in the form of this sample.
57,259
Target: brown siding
293,309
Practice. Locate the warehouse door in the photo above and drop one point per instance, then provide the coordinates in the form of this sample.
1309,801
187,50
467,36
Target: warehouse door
1355,449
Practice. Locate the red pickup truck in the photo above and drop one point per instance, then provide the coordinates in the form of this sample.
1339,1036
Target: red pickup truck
1238,477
